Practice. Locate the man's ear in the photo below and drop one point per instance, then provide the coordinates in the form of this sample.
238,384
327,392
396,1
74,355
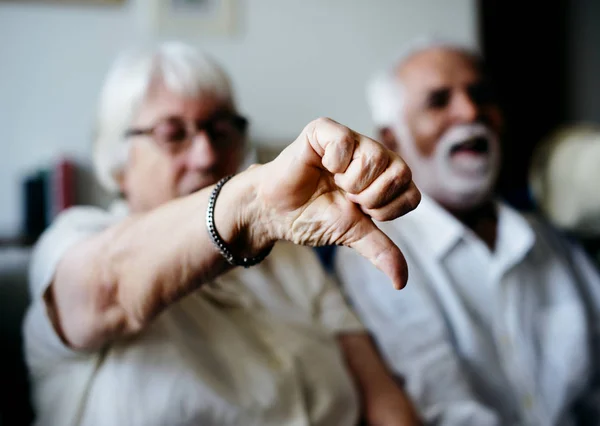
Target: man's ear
388,139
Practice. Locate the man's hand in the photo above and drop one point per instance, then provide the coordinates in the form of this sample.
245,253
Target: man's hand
328,185
392,409
383,401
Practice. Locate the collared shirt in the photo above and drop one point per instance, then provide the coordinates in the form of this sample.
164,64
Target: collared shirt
254,347
502,337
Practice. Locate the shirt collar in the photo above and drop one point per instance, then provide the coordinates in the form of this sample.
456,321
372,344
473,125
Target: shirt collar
432,226
515,236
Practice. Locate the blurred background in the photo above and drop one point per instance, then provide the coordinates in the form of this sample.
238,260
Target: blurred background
290,61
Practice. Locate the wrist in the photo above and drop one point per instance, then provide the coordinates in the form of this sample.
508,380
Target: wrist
238,216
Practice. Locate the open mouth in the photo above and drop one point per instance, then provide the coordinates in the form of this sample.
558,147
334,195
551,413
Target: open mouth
477,146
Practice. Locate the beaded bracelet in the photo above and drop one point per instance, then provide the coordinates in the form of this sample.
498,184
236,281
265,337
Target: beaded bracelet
246,262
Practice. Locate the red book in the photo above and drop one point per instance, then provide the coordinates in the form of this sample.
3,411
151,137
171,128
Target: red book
63,186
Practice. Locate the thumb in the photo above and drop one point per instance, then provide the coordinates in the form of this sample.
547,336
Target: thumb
376,247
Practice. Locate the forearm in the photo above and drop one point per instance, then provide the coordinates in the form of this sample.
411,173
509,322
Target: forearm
384,402
315,193
114,283
364,363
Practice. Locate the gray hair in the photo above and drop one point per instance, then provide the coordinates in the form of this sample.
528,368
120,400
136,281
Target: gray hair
183,69
385,92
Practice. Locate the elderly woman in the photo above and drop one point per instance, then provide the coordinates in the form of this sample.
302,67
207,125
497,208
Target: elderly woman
138,316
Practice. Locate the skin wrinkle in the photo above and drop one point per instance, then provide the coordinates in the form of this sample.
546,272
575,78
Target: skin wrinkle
159,291
372,197
323,187
326,235
395,183
163,250
116,245
337,158
305,226
342,139
312,210
313,137
299,212
388,191
374,165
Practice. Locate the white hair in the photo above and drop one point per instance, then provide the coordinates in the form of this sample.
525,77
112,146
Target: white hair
384,90
180,67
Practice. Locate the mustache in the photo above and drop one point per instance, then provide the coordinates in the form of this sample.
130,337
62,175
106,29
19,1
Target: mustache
471,136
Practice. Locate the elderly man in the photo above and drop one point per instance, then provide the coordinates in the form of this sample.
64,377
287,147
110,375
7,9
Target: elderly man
499,322
138,317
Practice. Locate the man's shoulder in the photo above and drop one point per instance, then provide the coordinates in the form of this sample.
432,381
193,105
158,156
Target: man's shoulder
544,230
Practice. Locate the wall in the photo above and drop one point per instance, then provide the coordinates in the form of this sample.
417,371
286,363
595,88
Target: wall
291,61
584,61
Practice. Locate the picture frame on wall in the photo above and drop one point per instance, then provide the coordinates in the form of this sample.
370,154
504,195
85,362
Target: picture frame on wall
68,2
189,18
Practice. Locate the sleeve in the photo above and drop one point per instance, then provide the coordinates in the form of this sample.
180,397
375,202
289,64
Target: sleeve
589,277
42,344
412,338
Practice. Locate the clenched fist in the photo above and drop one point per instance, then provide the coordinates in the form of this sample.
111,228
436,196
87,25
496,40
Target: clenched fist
328,186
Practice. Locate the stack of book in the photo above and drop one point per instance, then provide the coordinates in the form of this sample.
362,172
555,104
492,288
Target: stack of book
46,193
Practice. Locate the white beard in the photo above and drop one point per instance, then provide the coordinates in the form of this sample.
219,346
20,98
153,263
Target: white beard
460,181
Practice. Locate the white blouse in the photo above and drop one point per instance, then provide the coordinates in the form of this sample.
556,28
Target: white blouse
255,347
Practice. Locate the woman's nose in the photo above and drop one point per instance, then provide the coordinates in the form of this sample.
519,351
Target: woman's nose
201,153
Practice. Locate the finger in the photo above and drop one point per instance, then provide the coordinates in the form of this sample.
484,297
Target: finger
332,142
338,154
389,185
399,206
369,161
376,247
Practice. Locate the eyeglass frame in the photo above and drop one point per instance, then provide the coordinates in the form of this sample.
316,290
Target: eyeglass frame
192,128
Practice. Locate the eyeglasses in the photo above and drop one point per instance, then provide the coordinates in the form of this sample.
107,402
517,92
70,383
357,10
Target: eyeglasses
175,133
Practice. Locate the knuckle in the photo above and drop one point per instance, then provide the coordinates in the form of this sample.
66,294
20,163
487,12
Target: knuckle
369,203
345,134
322,120
381,215
414,198
378,159
401,173
394,184
318,123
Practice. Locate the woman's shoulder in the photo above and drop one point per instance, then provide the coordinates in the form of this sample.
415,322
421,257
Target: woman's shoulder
69,227
87,218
